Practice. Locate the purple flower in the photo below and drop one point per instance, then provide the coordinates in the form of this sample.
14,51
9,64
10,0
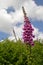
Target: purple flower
28,32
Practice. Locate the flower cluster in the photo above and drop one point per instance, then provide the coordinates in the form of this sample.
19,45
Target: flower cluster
28,30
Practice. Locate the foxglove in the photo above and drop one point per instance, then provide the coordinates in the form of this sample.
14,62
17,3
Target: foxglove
28,32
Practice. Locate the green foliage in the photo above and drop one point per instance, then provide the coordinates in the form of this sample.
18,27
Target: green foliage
18,53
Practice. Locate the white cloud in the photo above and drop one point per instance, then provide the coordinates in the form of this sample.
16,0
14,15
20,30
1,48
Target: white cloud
15,3
40,35
12,38
6,20
34,11
18,31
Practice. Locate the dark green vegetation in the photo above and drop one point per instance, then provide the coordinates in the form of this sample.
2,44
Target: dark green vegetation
17,53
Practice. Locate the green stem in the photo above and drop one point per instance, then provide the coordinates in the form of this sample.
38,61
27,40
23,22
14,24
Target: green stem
30,50
30,54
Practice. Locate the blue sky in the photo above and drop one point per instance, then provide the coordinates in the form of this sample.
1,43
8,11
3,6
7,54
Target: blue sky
39,2
10,9
3,35
37,23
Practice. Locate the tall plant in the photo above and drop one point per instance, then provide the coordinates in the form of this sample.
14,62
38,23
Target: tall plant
28,32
